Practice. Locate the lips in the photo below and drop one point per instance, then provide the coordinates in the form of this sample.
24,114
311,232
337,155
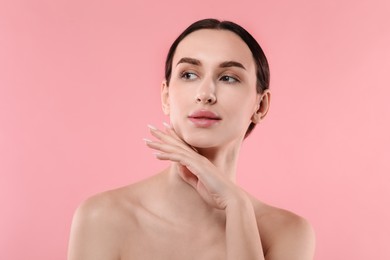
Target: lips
204,118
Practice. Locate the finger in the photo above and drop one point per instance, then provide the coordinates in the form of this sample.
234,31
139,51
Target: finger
198,165
162,147
183,167
167,126
187,176
171,131
174,157
166,138
204,174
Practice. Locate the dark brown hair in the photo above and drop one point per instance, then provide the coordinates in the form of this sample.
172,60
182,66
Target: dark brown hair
262,68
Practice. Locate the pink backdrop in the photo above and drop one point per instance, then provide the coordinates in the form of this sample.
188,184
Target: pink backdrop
79,82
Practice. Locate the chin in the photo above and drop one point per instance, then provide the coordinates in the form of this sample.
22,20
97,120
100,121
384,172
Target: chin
209,141
206,138
201,143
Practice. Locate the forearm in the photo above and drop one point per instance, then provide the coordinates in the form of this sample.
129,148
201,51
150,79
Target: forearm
242,235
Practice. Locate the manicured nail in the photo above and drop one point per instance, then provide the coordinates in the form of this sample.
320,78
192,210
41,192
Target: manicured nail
152,127
147,140
167,125
157,154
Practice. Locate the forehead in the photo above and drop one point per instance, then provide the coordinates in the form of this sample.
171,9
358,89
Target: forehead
214,46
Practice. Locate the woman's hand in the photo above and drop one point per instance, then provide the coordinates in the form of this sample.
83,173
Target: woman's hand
242,235
215,188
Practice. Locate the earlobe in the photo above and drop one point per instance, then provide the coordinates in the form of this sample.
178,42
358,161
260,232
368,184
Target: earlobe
256,117
262,107
165,97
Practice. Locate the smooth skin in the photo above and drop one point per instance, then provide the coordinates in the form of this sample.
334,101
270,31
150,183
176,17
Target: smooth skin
194,209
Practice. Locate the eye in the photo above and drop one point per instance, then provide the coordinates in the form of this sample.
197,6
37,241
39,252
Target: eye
229,79
188,75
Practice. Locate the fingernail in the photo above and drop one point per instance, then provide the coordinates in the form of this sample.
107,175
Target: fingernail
167,125
152,127
157,154
147,140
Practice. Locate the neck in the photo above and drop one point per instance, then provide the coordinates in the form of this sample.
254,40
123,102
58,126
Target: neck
185,198
185,205
224,158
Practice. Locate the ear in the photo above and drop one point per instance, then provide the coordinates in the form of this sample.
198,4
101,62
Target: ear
262,106
165,97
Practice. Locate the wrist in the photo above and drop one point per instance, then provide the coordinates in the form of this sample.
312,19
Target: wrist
240,202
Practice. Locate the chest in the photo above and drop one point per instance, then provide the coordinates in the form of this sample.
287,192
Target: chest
163,241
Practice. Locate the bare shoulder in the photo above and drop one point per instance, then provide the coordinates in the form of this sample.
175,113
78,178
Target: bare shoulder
103,208
100,225
115,206
285,234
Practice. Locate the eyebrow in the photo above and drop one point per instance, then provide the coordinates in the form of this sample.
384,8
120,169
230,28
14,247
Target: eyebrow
190,61
232,63
225,64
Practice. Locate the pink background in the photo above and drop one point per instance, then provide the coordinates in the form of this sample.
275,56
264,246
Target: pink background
80,80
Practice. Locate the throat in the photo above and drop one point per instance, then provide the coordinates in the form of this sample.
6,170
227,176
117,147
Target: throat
224,159
185,203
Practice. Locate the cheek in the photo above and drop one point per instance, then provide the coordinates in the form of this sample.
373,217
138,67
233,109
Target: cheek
240,103
178,107
242,113
180,97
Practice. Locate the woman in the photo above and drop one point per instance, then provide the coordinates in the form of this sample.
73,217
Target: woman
215,91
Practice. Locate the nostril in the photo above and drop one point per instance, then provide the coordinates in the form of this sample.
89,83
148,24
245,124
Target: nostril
206,98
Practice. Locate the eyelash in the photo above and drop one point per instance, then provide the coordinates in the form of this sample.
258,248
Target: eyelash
225,78
235,80
184,75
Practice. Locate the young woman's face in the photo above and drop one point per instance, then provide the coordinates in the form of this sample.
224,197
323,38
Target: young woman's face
211,98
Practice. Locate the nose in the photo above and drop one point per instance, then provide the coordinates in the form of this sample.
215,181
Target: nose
206,93
206,98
